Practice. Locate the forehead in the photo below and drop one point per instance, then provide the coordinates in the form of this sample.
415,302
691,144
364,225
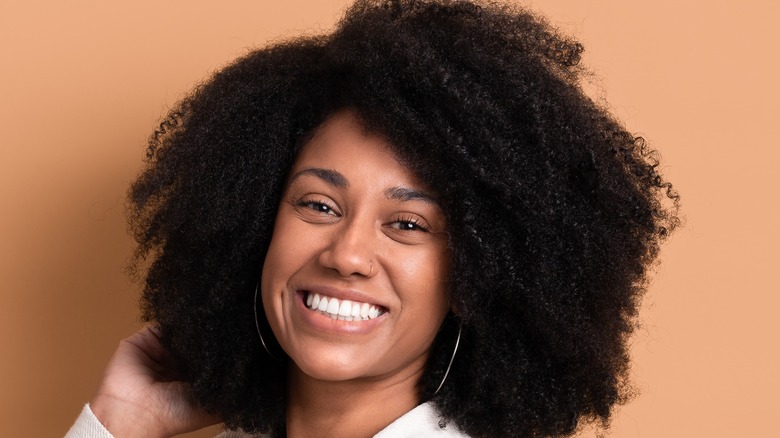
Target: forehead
341,144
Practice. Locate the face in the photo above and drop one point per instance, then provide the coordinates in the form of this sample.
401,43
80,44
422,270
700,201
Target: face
353,282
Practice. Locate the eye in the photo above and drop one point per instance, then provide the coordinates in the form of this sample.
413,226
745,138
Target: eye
409,224
315,206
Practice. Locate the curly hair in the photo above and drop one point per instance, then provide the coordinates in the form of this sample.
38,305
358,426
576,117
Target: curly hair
555,212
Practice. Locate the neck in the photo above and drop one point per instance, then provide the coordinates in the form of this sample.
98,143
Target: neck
355,408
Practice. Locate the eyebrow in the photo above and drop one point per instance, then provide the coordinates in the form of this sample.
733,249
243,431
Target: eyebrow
336,179
328,175
407,194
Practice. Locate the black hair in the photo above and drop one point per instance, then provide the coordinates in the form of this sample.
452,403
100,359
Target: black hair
555,212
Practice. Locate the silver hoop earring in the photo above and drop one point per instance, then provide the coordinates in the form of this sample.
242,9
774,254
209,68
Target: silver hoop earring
455,350
257,325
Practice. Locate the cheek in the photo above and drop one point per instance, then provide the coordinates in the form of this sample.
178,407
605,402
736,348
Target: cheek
269,268
424,275
292,246
277,264
269,281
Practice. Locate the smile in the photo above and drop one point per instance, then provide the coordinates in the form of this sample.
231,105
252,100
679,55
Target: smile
344,310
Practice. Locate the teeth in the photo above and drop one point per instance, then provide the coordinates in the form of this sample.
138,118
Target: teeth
323,304
315,302
345,308
342,310
333,306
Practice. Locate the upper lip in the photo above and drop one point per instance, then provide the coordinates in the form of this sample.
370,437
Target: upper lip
340,294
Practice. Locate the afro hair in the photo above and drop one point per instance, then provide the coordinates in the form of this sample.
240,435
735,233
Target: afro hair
555,212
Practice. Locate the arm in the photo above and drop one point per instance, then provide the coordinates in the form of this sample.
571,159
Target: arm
139,395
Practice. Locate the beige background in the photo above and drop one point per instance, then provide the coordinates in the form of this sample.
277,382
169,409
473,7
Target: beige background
82,84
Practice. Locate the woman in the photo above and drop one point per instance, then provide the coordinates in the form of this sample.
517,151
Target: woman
418,225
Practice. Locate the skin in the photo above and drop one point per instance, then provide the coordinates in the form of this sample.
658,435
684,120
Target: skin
140,395
353,223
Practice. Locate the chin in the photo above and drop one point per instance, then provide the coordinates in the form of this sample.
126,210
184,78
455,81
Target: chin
329,367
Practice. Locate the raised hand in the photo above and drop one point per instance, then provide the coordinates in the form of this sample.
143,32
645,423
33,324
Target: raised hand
140,395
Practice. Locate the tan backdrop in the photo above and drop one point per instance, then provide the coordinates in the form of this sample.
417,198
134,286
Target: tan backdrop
82,83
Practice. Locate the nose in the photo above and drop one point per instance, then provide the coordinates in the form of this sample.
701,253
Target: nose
351,250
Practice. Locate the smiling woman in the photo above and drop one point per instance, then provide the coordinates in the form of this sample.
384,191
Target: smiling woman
344,237
447,236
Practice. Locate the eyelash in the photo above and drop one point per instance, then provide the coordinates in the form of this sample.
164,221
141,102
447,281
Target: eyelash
416,224
323,207
316,205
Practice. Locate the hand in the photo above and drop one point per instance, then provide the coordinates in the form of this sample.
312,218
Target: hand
139,395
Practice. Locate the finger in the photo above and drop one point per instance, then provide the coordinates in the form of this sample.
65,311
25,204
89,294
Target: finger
155,329
148,350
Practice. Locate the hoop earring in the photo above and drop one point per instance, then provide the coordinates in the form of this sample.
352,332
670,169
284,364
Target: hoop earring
455,350
257,325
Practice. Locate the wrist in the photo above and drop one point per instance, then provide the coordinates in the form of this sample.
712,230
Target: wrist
125,420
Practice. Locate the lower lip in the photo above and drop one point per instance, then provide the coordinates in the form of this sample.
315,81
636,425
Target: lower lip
325,323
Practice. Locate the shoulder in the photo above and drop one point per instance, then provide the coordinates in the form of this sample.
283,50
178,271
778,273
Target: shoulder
421,421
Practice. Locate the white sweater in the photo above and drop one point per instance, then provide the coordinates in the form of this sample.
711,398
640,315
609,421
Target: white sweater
422,421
